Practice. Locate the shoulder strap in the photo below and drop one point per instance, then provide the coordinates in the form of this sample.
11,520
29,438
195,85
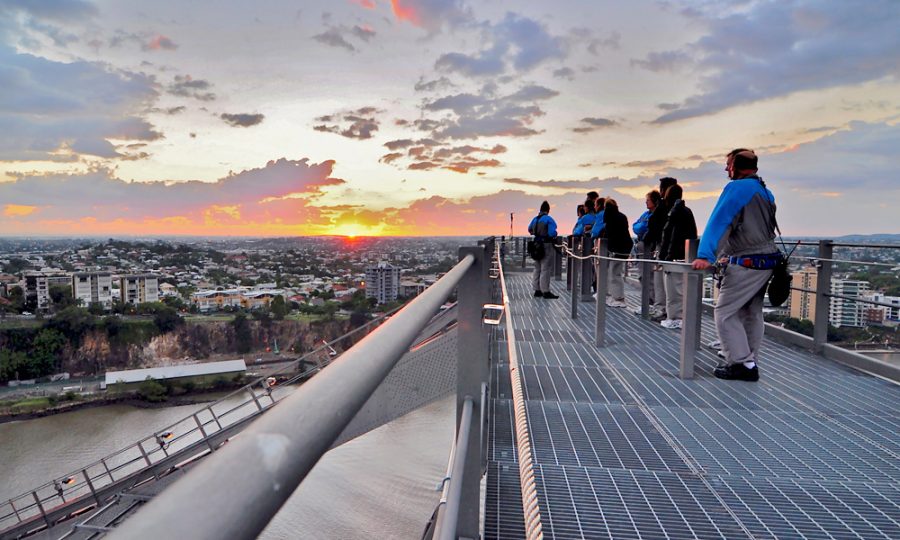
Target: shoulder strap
787,255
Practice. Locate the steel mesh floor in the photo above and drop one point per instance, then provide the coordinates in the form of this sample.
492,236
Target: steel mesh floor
625,449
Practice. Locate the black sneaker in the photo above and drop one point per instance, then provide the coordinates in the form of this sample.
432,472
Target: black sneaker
538,294
737,372
550,295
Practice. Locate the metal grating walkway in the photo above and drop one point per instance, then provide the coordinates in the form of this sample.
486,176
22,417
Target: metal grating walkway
626,449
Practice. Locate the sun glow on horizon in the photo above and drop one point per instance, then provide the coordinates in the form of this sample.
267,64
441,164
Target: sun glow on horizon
353,230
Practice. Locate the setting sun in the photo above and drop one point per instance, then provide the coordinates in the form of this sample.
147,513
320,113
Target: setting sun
352,230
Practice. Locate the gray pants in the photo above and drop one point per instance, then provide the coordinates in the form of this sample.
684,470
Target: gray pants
674,283
543,269
659,289
617,280
738,313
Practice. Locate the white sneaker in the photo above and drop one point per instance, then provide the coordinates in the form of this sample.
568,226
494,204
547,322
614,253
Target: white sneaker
616,303
715,344
672,324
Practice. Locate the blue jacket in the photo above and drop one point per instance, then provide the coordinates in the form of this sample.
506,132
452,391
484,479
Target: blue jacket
742,223
543,227
583,221
641,225
599,224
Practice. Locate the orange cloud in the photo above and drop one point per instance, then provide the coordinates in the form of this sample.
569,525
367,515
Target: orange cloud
18,210
159,42
405,12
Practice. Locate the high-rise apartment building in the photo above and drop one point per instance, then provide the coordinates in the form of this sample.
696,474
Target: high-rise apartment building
38,284
846,312
842,311
803,304
383,282
92,288
139,288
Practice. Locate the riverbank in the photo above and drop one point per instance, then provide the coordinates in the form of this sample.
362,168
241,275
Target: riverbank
32,408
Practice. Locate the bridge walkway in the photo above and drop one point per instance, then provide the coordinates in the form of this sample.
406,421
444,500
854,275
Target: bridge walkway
623,448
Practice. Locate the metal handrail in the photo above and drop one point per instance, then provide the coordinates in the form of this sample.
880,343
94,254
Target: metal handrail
848,298
847,261
448,519
247,481
846,244
87,483
530,508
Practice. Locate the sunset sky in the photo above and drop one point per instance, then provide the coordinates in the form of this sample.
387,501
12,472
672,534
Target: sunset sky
437,117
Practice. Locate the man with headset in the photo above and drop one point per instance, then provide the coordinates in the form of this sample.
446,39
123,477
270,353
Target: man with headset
740,235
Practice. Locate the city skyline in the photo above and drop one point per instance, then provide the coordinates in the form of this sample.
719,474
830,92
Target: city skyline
436,117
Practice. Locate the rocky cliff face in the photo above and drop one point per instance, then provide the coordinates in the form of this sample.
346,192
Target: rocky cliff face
197,341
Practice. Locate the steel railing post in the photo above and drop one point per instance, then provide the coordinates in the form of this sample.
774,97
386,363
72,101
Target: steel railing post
570,243
203,433
90,485
823,302
690,252
690,321
472,370
108,472
557,263
646,284
524,252
37,500
602,270
576,268
587,264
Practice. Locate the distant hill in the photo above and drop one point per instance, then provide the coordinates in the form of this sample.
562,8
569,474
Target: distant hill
870,238
882,238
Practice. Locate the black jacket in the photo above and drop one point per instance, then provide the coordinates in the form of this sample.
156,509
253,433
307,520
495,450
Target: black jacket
655,227
680,226
616,233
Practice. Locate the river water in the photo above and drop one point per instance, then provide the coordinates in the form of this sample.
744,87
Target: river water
379,485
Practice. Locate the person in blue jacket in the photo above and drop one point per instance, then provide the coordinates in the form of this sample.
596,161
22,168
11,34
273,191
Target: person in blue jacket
543,227
640,228
599,223
585,220
740,234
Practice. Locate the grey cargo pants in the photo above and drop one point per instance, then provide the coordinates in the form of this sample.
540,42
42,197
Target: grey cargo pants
543,269
739,312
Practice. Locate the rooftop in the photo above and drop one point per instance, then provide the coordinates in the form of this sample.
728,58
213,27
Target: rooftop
172,372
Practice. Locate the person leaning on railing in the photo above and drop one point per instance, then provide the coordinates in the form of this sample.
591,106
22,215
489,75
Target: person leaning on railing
585,218
543,227
740,235
680,227
615,231
652,240
640,228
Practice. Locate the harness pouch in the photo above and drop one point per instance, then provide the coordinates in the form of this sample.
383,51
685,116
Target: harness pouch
780,285
536,249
